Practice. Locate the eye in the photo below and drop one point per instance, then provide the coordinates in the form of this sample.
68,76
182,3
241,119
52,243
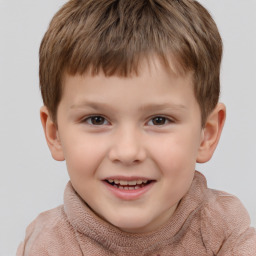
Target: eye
159,120
96,120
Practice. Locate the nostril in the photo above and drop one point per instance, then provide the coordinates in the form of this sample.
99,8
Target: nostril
127,156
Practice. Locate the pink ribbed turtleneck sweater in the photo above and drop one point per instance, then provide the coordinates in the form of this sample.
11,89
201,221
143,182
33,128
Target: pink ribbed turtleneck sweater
206,222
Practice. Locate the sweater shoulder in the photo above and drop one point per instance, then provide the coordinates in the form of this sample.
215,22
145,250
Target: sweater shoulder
49,234
49,222
225,224
225,209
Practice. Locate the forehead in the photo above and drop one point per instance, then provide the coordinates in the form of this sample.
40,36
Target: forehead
154,82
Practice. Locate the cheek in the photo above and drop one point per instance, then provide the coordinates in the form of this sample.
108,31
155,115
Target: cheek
176,160
176,155
83,156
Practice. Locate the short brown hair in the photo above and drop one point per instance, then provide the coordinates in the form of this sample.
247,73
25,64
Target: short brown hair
114,35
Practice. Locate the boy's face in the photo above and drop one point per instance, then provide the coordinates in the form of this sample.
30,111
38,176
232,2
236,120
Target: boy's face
130,144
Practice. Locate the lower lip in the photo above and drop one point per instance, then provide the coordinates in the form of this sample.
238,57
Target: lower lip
128,194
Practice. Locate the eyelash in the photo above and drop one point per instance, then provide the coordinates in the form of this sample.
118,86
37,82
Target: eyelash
104,121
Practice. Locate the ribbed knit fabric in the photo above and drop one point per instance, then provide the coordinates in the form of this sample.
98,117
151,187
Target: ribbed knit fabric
206,222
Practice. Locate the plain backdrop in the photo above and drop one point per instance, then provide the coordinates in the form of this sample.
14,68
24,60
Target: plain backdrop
31,182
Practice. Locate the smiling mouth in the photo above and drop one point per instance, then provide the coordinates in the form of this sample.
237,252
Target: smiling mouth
128,185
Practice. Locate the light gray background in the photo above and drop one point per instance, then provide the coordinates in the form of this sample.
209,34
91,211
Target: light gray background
31,182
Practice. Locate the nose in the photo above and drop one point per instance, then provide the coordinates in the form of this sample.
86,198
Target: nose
127,147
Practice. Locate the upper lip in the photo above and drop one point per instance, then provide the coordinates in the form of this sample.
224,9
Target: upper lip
128,178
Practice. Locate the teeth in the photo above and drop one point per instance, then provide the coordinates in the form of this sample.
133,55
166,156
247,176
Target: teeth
128,182
132,183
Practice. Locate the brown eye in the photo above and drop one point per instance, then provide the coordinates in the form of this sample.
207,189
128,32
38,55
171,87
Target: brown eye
159,120
96,120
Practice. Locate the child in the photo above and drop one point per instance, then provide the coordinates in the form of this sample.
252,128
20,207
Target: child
130,91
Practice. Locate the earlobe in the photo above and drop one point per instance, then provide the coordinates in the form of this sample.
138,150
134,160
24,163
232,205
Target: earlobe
51,134
211,133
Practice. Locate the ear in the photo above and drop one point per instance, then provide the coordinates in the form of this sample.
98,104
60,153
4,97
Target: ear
51,134
211,133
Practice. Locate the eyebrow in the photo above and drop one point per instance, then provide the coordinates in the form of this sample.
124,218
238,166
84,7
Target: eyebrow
162,106
89,104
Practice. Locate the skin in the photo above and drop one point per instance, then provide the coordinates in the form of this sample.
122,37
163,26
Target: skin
146,126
